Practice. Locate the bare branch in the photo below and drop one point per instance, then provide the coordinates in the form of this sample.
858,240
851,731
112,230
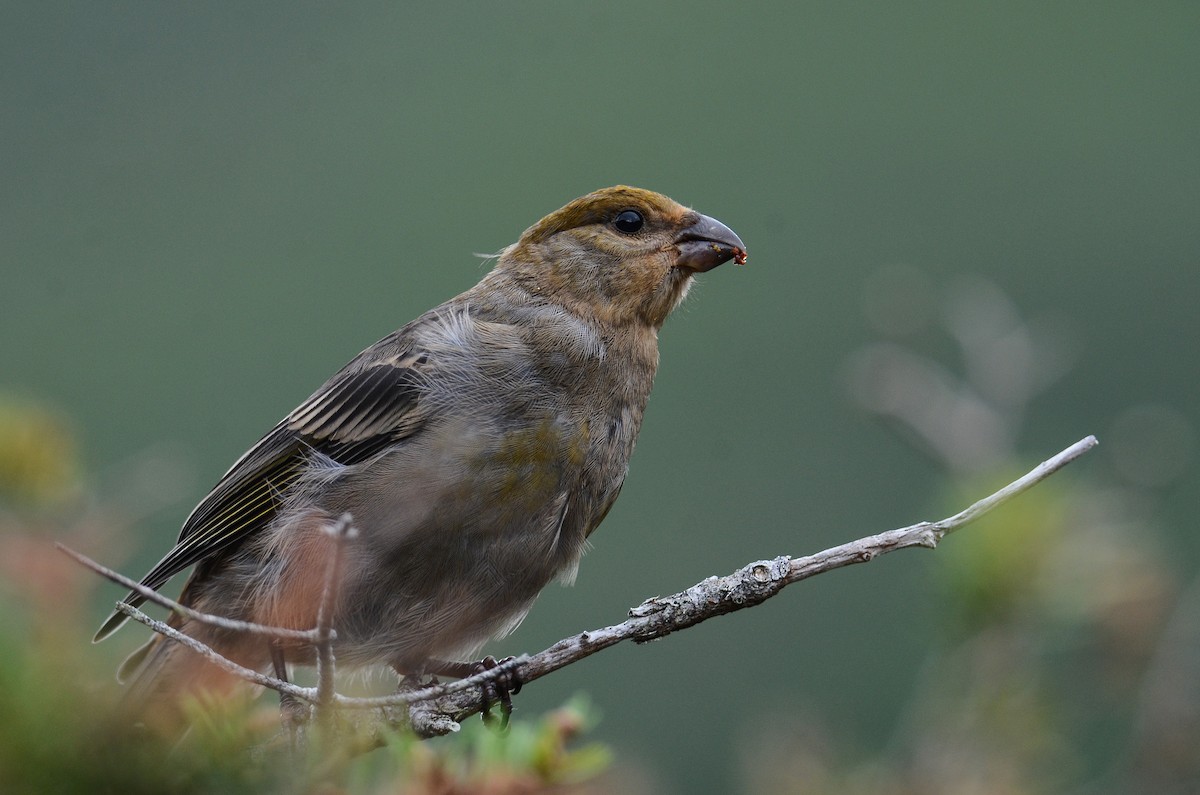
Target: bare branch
435,709
715,596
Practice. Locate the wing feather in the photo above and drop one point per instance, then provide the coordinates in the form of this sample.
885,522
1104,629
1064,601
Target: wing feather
355,416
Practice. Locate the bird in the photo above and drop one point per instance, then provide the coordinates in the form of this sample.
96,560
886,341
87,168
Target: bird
475,450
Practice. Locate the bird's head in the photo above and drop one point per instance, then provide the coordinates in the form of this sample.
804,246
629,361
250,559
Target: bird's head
620,254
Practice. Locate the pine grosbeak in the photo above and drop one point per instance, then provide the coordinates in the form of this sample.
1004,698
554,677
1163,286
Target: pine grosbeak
476,449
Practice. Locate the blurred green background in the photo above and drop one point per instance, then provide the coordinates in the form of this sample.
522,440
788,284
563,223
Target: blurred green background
975,224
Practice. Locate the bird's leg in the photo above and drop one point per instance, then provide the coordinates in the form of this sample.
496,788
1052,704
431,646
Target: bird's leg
504,686
292,712
501,689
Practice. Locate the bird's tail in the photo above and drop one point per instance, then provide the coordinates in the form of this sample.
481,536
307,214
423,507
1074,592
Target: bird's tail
163,676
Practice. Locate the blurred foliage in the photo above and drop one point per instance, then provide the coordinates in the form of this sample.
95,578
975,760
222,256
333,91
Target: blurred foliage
1055,606
38,462
63,730
63,733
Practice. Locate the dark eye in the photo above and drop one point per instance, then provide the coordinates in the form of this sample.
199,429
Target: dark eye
629,221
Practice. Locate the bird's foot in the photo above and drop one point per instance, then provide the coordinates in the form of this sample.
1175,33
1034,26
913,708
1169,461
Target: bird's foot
502,688
294,714
498,689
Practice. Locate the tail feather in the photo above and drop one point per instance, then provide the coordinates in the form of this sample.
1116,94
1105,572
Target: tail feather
117,619
163,675
133,663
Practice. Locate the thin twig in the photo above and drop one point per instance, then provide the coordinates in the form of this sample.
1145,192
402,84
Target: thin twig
306,693
341,532
472,682
1018,486
312,694
151,595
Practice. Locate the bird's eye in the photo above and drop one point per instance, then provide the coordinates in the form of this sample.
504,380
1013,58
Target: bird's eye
629,221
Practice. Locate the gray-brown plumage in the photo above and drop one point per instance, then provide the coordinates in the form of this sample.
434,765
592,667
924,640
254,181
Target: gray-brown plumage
476,449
